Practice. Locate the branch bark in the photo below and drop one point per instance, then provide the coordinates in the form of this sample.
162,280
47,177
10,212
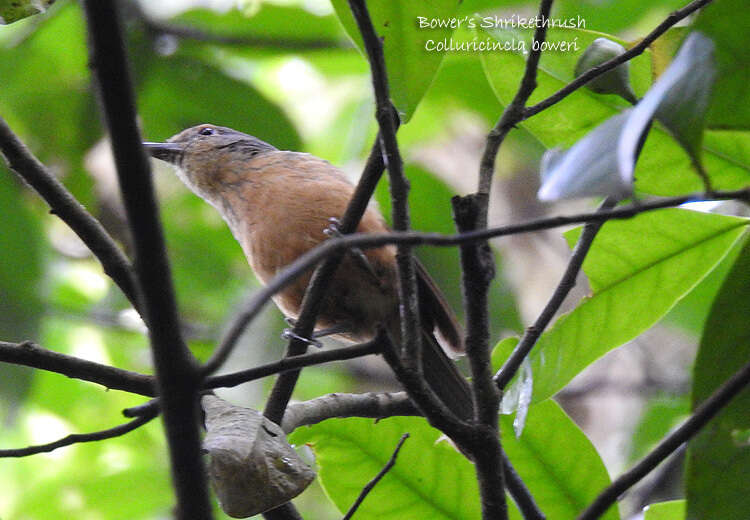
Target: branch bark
177,375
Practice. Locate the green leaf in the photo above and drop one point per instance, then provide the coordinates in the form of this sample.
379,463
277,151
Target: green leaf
672,510
178,92
289,25
720,21
14,10
429,480
410,67
432,480
52,109
557,461
718,459
660,416
663,168
638,269
614,17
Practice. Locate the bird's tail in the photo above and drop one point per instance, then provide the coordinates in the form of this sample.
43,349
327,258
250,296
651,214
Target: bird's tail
443,377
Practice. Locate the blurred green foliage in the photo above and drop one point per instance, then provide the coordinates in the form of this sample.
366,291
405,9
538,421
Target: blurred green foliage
292,75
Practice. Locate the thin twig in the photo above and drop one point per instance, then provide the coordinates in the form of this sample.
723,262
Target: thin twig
636,50
31,355
513,113
370,485
567,282
69,210
292,363
177,375
699,418
77,438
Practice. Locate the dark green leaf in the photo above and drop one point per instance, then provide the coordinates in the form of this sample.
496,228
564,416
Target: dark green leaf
722,22
410,67
718,458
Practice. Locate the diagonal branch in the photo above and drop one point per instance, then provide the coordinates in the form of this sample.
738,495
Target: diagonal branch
672,442
567,282
634,51
177,375
64,205
77,438
513,113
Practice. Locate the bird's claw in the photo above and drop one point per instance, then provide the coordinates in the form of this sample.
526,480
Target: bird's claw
289,334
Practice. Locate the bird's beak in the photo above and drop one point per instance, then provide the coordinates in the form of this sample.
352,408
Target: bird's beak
169,152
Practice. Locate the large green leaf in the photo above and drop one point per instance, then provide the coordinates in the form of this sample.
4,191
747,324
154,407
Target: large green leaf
430,479
46,96
672,510
663,168
557,461
638,269
615,15
178,92
410,67
719,456
721,22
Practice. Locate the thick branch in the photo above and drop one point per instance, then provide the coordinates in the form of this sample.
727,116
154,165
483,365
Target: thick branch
636,50
76,438
177,376
672,442
64,205
567,282
478,269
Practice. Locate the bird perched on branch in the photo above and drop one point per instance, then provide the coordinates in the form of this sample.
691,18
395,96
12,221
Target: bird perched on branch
279,205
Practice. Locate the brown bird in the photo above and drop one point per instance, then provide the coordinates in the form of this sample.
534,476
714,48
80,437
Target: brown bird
278,205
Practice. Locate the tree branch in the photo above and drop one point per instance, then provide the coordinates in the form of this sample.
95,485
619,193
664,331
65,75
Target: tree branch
411,339
77,438
373,405
69,210
567,282
377,478
513,113
478,270
177,376
636,50
700,417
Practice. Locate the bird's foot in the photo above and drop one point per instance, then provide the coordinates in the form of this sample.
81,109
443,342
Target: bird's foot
289,334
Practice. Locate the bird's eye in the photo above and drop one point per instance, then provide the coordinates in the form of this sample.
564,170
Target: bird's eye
207,131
